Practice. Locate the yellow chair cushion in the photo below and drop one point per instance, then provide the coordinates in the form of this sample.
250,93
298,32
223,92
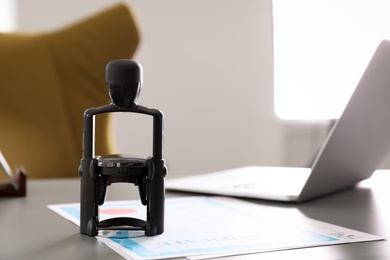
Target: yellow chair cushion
48,80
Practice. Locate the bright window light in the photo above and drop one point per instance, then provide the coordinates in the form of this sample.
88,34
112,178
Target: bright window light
321,49
7,15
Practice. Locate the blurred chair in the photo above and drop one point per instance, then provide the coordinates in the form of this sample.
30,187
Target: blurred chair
48,80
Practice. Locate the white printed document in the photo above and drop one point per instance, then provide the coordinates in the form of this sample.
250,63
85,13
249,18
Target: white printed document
206,227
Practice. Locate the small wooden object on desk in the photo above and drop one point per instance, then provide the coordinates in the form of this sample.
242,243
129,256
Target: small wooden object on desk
16,189
16,185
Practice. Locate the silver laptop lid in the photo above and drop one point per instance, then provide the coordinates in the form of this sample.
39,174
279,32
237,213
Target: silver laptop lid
360,139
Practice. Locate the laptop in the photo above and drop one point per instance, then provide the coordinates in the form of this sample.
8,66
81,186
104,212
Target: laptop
356,145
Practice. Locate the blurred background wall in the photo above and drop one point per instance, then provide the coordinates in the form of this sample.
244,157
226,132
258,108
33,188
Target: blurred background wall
208,65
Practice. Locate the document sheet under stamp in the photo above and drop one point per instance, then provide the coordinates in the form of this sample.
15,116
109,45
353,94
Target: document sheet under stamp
206,227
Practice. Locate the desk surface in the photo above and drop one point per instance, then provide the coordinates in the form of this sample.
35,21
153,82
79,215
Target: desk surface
28,230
